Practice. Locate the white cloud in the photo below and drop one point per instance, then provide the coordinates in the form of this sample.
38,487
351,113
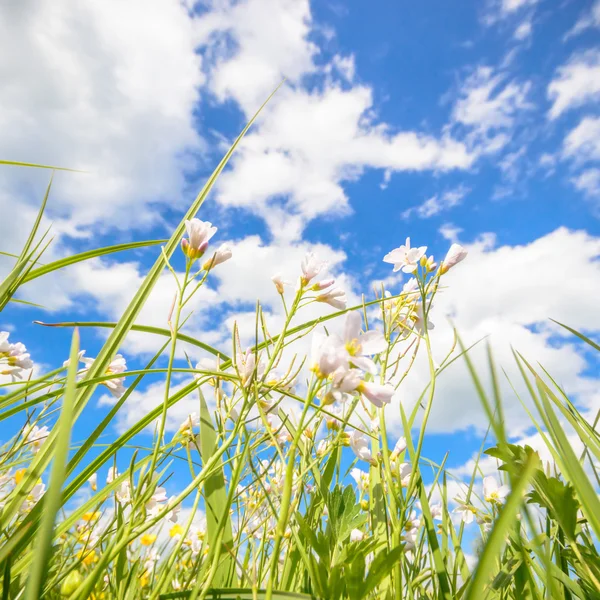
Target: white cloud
498,10
309,144
523,31
587,21
583,142
588,182
438,203
576,83
104,86
489,106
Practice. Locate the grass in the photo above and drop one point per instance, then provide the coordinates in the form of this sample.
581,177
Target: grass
289,459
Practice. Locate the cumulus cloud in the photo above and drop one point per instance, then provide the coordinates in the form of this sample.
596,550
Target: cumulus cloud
583,142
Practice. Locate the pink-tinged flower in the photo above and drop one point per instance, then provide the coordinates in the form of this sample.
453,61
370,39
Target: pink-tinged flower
311,267
327,355
492,491
279,282
335,297
437,511
453,257
376,393
361,345
399,448
362,479
199,234
247,364
412,285
118,365
405,257
322,285
361,446
223,254
428,263
14,358
419,319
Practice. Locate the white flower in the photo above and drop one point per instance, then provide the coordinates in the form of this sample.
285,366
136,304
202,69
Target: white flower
311,267
437,511
356,535
322,448
404,471
14,358
35,436
156,501
33,497
335,297
377,393
117,365
173,514
93,481
222,254
399,448
492,492
112,475
419,319
344,381
362,479
465,510
123,494
412,285
151,559
279,282
405,257
191,422
327,355
361,345
410,539
199,234
361,445
455,254
246,365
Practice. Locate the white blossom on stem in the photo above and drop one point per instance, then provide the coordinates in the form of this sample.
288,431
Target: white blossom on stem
222,254
199,234
455,254
405,257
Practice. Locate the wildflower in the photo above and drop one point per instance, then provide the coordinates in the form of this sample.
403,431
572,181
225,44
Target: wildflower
362,479
199,234
15,356
93,481
19,474
118,365
412,285
404,472
173,514
421,321
70,584
405,257
222,254
153,505
123,494
376,393
176,531
35,437
33,497
399,448
151,559
437,511
279,282
343,382
148,539
335,297
311,267
111,475
88,517
360,445
455,254
492,492
191,422
356,535
362,345
247,364
327,355
428,263
466,511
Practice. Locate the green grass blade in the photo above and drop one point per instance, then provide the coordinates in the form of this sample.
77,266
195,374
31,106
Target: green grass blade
52,498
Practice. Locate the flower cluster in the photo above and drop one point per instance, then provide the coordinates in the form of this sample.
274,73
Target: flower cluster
14,358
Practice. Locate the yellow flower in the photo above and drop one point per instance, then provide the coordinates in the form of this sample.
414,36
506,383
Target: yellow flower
88,557
19,474
148,539
91,516
176,530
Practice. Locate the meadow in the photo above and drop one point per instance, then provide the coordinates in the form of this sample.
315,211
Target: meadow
303,492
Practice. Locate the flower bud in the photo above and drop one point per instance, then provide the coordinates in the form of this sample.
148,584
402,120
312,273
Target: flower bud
72,581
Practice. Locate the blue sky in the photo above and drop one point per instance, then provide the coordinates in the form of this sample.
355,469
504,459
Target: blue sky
476,122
